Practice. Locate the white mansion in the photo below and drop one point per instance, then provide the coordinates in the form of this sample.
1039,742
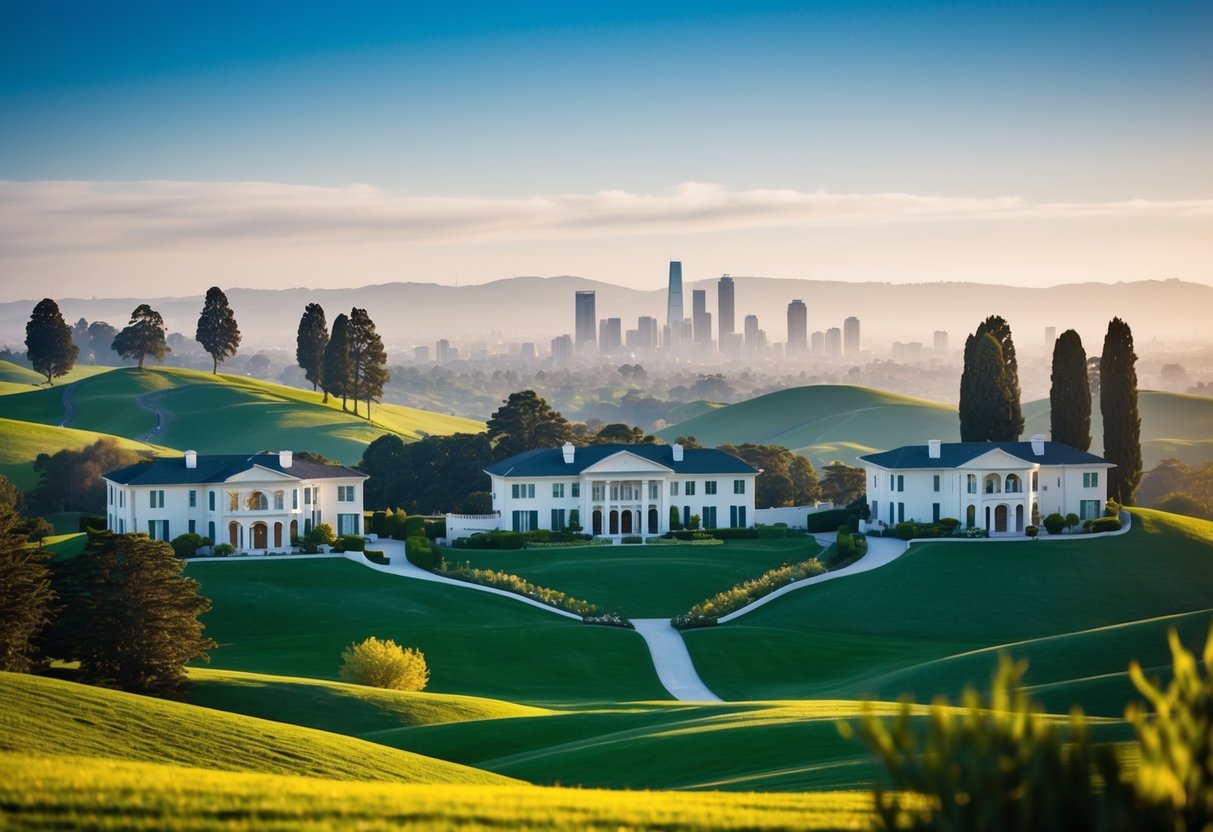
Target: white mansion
615,490
990,485
254,502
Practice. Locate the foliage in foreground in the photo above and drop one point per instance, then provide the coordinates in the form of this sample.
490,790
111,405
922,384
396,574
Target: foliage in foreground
25,593
707,613
384,664
1002,764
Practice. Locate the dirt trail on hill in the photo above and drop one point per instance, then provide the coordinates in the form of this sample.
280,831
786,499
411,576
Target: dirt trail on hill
69,411
164,418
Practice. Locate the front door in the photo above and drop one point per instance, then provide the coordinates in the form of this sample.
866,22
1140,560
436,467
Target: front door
233,534
1000,519
259,536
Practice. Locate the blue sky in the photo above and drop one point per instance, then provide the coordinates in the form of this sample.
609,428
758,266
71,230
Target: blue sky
490,108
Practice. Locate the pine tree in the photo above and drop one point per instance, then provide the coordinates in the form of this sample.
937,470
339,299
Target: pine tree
130,618
1118,404
974,398
143,336
48,341
217,330
26,597
524,422
368,360
336,375
1070,393
312,338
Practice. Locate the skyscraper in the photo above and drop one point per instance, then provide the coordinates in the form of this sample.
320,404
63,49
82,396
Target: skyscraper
648,332
673,308
562,350
751,331
941,341
583,333
798,327
724,310
1050,338
833,342
609,335
699,316
850,337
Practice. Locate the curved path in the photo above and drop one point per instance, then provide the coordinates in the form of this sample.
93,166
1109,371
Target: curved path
69,411
672,661
164,418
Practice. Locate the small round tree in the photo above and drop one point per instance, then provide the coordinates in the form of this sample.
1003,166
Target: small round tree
384,664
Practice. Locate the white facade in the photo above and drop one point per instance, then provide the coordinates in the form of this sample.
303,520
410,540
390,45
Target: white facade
257,506
994,489
622,493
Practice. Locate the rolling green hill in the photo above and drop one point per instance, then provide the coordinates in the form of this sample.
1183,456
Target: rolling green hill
474,643
220,414
52,717
827,422
934,620
21,442
17,379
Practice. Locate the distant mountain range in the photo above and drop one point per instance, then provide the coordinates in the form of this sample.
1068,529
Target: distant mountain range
538,309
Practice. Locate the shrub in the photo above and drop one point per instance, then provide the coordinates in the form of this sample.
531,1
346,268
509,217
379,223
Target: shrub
776,532
574,520
436,528
948,525
320,535
222,550
1072,520
1031,531
395,524
423,554
632,538
91,521
492,540
414,526
537,536
675,519
187,545
741,534
521,586
1104,524
379,523
707,613
1054,523
384,664
376,557
694,524
1111,509
351,543
828,520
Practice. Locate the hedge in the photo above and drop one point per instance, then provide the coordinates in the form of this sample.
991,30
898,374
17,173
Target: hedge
828,520
375,557
491,540
706,613
521,586
1103,524
421,553
91,521
435,529
734,534
1054,523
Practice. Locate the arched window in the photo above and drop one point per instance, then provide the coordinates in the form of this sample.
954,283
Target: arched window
993,484
256,501
1013,484
233,501
970,516
971,484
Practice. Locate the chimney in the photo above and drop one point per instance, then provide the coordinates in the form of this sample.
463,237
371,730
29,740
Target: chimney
191,459
933,448
1038,444
285,458
677,452
568,450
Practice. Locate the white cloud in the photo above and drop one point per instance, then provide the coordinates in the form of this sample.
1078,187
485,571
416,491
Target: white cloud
61,217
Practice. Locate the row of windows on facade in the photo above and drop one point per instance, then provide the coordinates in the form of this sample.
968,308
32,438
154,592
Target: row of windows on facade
1088,510
1012,484
619,490
254,501
159,529
525,521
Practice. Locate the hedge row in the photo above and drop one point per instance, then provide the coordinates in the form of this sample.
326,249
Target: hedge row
706,613
521,586
422,553
828,520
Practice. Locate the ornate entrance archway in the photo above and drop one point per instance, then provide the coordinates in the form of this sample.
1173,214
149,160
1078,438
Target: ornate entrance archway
1000,518
260,533
233,534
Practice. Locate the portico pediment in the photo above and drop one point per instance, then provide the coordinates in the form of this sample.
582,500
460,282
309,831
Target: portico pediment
997,460
625,463
259,474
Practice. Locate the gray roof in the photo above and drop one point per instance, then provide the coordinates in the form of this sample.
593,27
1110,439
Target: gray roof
219,467
955,454
549,462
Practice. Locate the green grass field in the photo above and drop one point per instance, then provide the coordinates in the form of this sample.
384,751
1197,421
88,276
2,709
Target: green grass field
643,581
224,413
17,379
933,620
474,643
21,442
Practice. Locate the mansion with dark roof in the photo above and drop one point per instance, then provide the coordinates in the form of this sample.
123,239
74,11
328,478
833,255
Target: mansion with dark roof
988,485
616,490
255,502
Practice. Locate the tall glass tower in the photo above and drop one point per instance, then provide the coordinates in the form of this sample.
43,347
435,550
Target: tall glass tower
586,321
724,311
673,309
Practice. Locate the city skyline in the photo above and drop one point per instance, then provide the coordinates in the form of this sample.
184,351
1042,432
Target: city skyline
151,144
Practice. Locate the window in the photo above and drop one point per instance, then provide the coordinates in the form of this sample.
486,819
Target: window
970,517
934,512
121,499
522,490
210,530
575,490
971,483
615,492
524,521
654,490
307,496
279,500
673,489
738,486
690,489
686,517
875,510
737,518
709,487
558,519
936,482
349,523
890,513
256,501
1088,509
192,531
892,482
157,498
1090,479
557,492
211,502
901,512
157,529
1035,480
597,492
345,493
294,499
193,500
709,517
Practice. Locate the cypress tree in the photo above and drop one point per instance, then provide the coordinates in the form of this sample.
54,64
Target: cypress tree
143,336
1070,393
26,598
312,338
368,360
989,401
48,341
1118,404
336,373
217,330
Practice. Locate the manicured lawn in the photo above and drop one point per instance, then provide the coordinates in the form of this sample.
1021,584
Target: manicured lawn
643,581
909,626
293,618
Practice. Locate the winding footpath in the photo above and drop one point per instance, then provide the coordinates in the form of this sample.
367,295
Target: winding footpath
164,418
69,412
672,661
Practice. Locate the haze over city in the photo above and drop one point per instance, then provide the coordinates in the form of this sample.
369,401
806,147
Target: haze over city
152,150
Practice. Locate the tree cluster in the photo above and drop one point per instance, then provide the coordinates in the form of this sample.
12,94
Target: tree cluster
433,475
843,484
989,385
1178,488
349,362
526,421
26,597
788,479
71,480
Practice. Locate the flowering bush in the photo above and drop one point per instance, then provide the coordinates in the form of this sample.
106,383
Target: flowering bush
707,613
608,619
384,664
521,586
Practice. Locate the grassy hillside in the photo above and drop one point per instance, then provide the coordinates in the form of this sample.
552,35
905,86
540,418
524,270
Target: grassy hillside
648,581
21,442
17,379
52,717
934,620
72,792
474,643
823,422
222,414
